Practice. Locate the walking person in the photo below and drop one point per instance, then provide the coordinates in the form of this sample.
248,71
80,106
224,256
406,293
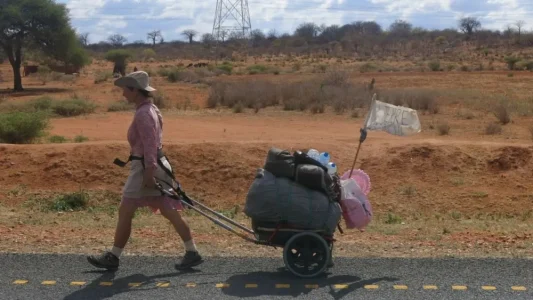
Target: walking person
145,140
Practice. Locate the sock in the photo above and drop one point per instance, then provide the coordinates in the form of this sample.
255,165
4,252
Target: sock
190,246
116,251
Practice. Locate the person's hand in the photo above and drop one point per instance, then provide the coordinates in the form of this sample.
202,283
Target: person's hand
148,179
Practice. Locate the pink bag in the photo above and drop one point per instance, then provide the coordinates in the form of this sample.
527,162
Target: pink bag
356,209
362,179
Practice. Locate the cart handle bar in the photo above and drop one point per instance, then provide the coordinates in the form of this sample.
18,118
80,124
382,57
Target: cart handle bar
216,221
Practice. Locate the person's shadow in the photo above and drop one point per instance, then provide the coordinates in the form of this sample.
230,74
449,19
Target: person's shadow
267,281
95,291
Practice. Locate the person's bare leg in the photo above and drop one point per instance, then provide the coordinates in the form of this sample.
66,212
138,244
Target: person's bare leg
123,230
181,227
110,259
192,257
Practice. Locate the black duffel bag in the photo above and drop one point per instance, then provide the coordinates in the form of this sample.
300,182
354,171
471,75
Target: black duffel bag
304,170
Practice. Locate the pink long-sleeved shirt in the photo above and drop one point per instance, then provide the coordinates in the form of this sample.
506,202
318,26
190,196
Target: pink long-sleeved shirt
145,133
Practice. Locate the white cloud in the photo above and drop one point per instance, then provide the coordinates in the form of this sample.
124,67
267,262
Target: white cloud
282,15
405,8
105,28
84,8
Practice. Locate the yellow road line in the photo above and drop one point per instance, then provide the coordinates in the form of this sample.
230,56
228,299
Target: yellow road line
459,287
340,286
282,286
20,281
518,288
488,288
222,285
400,287
311,286
250,285
371,286
134,284
430,287
190,284
77,283
48,282
106,283
163,284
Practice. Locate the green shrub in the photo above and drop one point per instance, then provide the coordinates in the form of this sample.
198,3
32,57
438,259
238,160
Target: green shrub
22,127
42,103
226,68
257,69
72,201
511,61
80,139
57,139
102,76
160,100
434,65
119,106
73,107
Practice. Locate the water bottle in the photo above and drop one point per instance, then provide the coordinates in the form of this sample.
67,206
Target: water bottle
324,158
314,154
332,168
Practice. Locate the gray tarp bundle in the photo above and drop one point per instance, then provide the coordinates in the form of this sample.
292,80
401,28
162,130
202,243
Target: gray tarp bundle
279,193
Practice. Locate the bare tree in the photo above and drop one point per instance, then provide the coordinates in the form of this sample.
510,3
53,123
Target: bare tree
469,25
272,35
208,39
223,35
257,37
520,24
190,34
307,31
153,36
84,38
117,40
400,28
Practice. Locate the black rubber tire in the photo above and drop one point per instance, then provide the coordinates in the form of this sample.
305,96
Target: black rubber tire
306,255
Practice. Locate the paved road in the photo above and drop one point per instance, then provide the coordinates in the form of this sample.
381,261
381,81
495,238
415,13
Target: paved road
69,277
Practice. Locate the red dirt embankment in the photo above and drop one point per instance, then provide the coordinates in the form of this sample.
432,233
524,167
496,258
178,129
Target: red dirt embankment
419,177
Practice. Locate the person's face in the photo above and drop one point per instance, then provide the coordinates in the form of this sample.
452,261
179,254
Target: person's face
130,95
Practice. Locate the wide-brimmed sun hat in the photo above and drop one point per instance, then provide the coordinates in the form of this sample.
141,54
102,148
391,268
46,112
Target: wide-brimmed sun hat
139,80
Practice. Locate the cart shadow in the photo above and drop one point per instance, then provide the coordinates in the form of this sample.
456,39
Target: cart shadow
95,291
267,281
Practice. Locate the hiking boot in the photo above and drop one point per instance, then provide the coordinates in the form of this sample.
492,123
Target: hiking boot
191,259
106,261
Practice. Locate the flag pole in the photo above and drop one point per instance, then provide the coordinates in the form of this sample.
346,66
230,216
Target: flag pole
362,137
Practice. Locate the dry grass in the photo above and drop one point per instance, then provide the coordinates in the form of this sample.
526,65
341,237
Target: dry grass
493,128
502,114
92,214
443,128
417,99
332,89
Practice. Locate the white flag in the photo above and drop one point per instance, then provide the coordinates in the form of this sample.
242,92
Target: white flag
396,120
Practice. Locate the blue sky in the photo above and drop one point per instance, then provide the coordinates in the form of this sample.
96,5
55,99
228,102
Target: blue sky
134,18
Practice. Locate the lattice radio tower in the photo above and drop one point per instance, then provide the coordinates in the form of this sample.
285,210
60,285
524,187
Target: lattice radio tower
231,16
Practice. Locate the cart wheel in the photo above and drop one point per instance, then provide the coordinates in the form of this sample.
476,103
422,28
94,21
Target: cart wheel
306,254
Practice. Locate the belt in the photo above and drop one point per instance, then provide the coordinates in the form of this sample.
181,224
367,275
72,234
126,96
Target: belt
160,154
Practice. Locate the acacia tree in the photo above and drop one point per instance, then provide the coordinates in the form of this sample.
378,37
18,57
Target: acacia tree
117,40
520,24
154,35
469,25
41,25
120,59
190,34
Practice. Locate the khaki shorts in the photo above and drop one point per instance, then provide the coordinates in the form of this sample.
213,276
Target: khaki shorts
134,185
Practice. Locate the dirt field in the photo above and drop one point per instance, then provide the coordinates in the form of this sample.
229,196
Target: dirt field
466,193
